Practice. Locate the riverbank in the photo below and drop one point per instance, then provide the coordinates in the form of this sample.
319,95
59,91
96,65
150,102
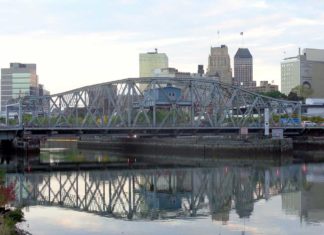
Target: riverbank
201,147
310,149
9,221
9,217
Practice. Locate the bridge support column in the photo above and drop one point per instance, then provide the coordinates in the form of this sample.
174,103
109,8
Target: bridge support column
154,115
27,144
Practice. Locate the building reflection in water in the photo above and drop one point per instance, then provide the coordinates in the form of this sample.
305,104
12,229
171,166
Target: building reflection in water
176,193
307,202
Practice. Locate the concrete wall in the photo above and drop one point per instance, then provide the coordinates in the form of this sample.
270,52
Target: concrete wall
318,80
197,147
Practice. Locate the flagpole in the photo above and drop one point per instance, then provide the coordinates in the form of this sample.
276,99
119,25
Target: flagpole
242,43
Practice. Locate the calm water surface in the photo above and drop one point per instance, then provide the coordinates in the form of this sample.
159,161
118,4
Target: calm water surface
132,197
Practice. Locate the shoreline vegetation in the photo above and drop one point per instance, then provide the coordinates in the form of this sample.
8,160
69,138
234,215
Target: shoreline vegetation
9,216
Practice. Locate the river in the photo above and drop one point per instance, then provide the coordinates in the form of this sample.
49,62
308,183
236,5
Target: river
66,190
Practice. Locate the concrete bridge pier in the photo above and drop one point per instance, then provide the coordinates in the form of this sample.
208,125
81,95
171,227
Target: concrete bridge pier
27,144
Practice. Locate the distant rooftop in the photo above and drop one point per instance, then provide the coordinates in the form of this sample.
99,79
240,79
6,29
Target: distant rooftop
243,53
21,65
221,46
309,54
154,52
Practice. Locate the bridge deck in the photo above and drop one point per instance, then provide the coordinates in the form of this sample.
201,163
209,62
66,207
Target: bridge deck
11,132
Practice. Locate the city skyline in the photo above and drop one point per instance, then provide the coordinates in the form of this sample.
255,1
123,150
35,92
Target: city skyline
99,41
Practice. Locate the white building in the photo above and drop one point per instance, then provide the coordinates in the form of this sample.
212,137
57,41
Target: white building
150,61
305,69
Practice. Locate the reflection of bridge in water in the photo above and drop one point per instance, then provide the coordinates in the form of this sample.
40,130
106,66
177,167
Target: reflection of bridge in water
156,194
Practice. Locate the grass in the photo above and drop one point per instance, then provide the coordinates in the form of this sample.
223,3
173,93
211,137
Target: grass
9,220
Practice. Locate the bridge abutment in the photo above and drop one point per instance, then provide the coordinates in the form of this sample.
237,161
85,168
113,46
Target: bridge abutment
27,144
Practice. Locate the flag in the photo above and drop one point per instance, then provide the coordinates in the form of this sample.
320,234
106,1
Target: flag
241,33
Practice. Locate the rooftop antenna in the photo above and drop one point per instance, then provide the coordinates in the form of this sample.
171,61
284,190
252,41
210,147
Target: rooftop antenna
242,42
284,55
218,37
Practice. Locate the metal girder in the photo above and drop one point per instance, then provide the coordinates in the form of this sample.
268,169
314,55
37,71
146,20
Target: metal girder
165,103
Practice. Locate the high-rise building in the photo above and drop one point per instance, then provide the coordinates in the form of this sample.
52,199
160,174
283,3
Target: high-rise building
243,68
219,64
17,81
150,61
306,69
42,91
201,70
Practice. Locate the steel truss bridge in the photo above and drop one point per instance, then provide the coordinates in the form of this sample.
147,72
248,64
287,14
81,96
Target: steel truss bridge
156,105
155,194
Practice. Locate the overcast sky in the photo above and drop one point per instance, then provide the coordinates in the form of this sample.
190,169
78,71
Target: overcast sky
76,43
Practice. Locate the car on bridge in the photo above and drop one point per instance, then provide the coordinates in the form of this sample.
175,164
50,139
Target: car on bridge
308,124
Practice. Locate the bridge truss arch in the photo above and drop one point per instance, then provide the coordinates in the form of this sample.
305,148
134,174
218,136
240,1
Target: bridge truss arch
155,103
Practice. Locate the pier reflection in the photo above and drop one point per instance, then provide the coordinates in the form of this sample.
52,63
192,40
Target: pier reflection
176,193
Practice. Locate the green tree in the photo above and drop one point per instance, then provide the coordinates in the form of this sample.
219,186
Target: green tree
293,96
303,91
274,94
